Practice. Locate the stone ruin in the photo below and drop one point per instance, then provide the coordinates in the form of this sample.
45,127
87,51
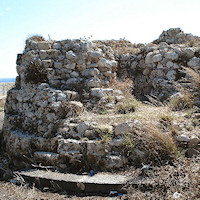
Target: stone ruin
58,80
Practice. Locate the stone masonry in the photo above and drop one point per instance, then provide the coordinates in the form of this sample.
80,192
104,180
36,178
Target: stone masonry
56,80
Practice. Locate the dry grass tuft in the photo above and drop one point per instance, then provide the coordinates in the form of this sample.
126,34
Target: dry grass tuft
125,86
194,76
36,38
160,145
183,101
128,106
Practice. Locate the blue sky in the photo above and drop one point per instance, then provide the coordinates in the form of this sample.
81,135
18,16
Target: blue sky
139,21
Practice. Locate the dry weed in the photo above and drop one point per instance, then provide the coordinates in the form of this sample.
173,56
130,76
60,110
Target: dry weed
125,86
36,38
160,145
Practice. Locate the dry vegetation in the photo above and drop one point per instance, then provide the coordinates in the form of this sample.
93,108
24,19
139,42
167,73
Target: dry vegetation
36,38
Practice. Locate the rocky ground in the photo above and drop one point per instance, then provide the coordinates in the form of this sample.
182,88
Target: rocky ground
175,179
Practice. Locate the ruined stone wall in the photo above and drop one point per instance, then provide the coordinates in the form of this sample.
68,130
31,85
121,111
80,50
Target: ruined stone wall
56,82
157,68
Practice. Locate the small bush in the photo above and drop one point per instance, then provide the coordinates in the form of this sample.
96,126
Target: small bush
181,102
195,77
159,146
36,38
128,142
128,106
35,73
104,132
125,86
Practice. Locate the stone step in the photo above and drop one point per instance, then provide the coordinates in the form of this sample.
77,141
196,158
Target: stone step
98,183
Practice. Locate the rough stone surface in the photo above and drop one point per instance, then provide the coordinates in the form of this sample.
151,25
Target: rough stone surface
99,183
58,80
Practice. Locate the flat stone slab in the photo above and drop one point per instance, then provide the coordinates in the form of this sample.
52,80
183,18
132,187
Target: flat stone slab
99,183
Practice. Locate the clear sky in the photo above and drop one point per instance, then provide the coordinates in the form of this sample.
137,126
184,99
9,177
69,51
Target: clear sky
139,21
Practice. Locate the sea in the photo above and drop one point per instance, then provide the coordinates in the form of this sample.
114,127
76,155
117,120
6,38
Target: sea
7,80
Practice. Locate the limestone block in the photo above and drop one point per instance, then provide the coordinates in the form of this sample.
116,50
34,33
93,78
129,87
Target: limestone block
58,65
90,72
149,58
47,63
122,129
134,65
93,65
193,142
94,54
107,73
74,74
194,62
95,148
146,71
171,75
171,55
46,157
189,52
71,95
70,66
56,46
116,142
104,65
82,127
160,66
71,55
71,148
157,58
67,145
182,138
120,98
93,83
49,54
51,117
97,92
61,97
115,162
169,64
44,45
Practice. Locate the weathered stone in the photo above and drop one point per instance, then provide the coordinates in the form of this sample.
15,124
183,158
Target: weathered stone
97,92
70,66
122,129
149,58
157,58
90,72
95,148
58,65
182,138
194,62
82,127
46,157
171,75
56,46
44,45
71,55
115,162
171,55
193,142
74,74
169,64
189,52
